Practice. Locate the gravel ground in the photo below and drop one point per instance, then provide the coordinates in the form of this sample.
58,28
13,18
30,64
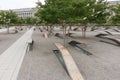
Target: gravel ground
42,64
6,40
104,64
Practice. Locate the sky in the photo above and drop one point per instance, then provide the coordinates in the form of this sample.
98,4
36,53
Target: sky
16,4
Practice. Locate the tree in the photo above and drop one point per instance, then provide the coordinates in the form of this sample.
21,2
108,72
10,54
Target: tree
47,13
54,12
20,21
30,21
101,12
90,12
116,16
8,18
72,12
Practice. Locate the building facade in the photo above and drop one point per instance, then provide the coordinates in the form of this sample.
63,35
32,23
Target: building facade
25,12
114,2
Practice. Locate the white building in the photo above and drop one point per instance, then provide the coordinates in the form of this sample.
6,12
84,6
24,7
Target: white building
25,12
114,2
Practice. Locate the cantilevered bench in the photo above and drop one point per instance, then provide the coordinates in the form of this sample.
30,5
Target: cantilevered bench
30,44
70,64
78,45
12,58
116,30
110,33
59,35
46,35
113,33
117,40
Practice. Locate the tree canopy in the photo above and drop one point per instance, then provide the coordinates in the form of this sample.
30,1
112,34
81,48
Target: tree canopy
116,17
8,17
73,11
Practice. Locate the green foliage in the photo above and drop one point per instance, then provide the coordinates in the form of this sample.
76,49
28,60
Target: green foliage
73,12
8,17
101,12
116,17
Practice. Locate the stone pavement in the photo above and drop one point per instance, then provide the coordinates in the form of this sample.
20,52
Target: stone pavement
42,63
11,59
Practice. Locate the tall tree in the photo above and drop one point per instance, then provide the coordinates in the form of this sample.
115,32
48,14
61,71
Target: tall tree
7,18
69,12
116,17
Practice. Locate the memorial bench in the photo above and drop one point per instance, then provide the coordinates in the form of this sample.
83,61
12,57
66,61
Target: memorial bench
59,35
30,44
78,45
109,32
46,35
117,40
116,30
69,62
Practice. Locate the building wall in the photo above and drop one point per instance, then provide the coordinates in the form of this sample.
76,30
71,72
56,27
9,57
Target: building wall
25,12
114,2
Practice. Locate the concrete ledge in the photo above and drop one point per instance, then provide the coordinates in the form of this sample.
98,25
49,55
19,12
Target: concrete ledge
46,35
11,59
30,40
70,64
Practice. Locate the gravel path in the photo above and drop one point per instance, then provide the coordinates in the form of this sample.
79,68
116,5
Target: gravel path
6,40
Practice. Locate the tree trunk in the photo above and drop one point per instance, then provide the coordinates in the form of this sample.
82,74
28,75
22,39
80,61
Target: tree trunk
64,33
84,32
70,28
47,28
68,34
50,29
7,29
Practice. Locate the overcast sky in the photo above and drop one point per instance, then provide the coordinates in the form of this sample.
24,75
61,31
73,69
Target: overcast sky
16,4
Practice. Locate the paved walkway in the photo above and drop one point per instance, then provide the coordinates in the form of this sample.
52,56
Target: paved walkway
11,59
42,63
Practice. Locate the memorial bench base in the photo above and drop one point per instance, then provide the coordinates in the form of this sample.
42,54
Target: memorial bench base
30,44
